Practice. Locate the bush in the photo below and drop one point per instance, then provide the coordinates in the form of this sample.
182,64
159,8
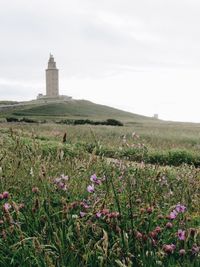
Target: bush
28,120
12,119
111,122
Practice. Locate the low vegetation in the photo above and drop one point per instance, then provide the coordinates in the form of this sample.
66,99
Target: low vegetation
98,196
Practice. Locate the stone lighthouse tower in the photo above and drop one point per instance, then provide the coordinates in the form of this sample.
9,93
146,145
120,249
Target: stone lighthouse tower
52,88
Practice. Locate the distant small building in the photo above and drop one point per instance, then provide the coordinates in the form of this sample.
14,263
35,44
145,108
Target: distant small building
155,116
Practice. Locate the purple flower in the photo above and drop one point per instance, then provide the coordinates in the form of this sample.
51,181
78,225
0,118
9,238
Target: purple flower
62,186
180,208
64,177
98,214
85,205
169,248
57,180
5,194
169,225
94,179
182,252
90,188
6,206
181,234
173,214
82,214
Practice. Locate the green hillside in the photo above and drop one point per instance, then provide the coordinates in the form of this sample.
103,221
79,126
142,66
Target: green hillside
71,109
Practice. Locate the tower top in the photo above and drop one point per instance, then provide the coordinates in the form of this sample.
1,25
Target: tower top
51,63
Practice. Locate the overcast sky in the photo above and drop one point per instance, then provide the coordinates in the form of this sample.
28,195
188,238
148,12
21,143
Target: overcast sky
138,55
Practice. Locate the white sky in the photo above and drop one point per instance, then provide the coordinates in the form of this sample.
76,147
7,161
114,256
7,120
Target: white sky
138,55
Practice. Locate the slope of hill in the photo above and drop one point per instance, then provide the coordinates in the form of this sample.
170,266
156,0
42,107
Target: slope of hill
71,109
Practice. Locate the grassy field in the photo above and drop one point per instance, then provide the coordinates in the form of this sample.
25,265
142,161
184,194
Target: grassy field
68,109
100,195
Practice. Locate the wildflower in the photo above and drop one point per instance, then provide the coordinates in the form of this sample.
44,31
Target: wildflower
35,189
5,194
181,234
82,214
149,210
31,172
94,179
105,211
138,200
98,214
158,229
113,214
169,225
154,242
182,252
153,234
90,188
169,248
173,215
192,231
64,177
6,206
85,205
62,186
180,208
138,235
74,216
195,249
57,180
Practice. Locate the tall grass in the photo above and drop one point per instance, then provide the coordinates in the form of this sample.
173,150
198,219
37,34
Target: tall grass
66,207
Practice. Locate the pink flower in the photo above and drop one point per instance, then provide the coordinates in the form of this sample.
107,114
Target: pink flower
181,234
90,188
158,229
173,214
64,177
94,179
169,225
180,208
85,205
149,210
6,206
5,194
113,214
105,211
182,252
98,214
138,235
35,189
57,180
169,248
82,214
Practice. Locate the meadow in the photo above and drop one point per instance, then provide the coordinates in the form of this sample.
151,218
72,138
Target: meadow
100,195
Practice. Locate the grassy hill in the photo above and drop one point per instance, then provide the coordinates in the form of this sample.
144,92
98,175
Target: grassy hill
70,109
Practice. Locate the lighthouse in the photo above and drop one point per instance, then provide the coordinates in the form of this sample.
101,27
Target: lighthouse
52,82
